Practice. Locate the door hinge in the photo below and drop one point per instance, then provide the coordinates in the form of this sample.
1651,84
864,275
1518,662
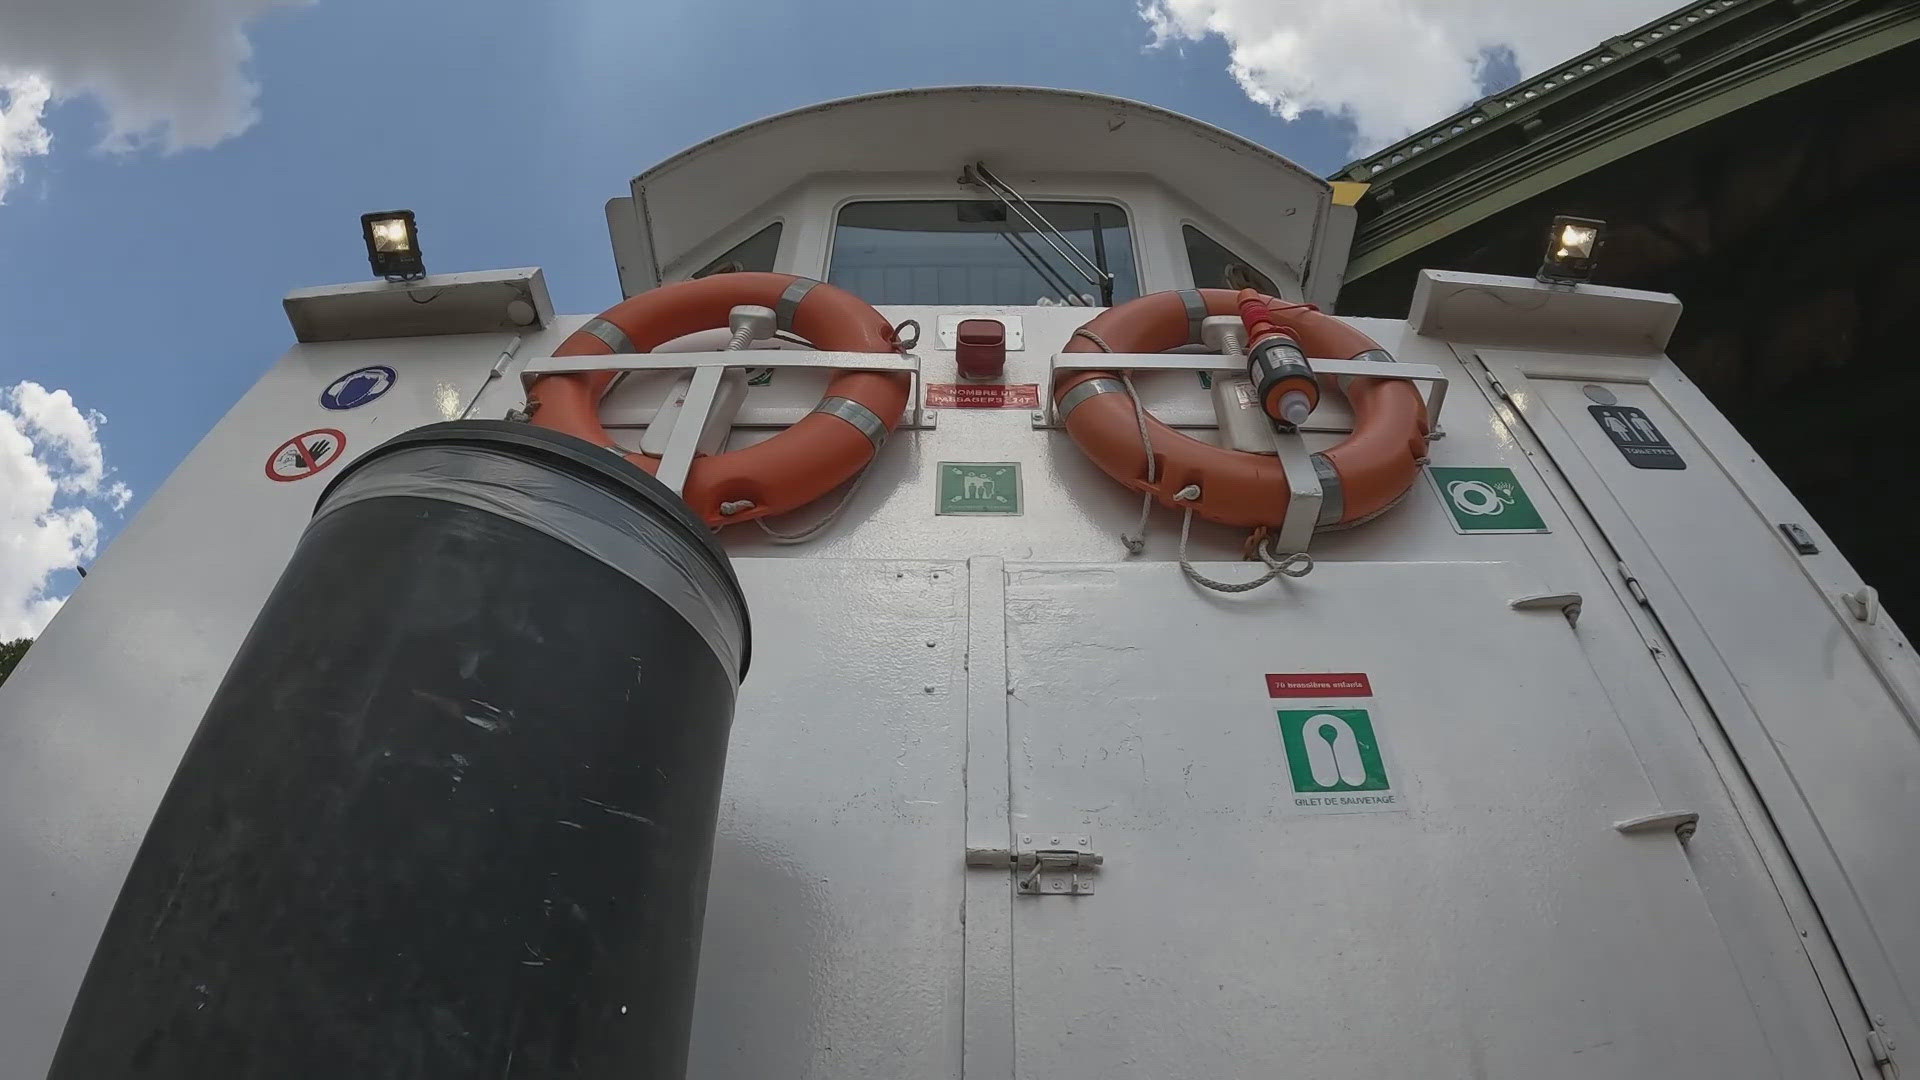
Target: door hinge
1045,864
1633,583
1879,1046
1498,386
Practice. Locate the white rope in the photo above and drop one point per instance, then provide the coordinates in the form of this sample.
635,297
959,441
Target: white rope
1136,543
741,506
1294,565
1298,564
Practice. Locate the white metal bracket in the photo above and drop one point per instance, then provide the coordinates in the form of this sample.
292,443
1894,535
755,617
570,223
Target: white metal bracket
1303,496
1681,823
1567,604
707,368
1863,604
1045,864
1046,417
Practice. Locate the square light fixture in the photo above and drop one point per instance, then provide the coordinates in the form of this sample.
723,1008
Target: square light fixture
1573,244
393,245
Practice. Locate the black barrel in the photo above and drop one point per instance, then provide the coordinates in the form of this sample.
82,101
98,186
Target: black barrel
450,813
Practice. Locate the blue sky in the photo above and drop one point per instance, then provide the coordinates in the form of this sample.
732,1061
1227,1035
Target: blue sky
147,283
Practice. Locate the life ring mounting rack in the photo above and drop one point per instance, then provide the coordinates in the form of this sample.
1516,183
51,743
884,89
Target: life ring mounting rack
734,306
1304,503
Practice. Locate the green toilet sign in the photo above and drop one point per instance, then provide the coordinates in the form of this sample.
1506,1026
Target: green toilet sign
1481,500
979,487
1334,762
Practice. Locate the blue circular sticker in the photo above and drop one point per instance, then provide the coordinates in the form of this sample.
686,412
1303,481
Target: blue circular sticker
356,388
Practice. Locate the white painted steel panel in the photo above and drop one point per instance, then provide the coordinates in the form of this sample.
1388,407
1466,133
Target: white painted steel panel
88,744
1498,927
1024,133
1452,305
1775,935
833,932
988,1007
95,719
1829,744
470,303
1073,510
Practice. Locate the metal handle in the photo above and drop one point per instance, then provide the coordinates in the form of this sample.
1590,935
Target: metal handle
1567,604
1863,604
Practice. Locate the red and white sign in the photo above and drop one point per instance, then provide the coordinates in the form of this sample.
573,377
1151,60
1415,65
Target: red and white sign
1319,684
305,454
983,395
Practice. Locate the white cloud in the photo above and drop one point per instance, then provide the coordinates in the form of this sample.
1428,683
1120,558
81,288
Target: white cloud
21,135
1391,67
169,73
51,467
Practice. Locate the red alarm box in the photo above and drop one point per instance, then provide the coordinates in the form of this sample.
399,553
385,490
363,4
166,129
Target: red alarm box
980,348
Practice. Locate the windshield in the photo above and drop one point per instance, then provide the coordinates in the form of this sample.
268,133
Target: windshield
1214,267
974,252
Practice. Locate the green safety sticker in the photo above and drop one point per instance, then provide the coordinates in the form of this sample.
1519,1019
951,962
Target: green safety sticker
979,487
1336,763
1481,500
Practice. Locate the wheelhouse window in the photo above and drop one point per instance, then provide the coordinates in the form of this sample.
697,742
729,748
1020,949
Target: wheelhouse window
977,252
1214,267
754,253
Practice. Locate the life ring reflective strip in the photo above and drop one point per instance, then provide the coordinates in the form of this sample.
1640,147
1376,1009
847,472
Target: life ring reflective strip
826,448
1365,474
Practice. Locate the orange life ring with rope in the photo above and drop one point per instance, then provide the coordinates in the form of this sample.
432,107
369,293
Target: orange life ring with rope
1367,473
828,447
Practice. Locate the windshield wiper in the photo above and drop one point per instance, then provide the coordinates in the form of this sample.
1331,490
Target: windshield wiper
1094,271
1048,276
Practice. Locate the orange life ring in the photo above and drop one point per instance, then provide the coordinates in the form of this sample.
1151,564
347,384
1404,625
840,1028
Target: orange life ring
1367,473
824,450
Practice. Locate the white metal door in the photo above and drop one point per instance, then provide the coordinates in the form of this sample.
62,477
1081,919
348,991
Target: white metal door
833,933
1820,728
1491,924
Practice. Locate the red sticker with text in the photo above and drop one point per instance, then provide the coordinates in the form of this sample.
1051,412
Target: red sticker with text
304,455
1319,684
983,396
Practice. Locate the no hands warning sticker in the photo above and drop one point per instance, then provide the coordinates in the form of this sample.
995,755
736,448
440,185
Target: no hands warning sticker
306,454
